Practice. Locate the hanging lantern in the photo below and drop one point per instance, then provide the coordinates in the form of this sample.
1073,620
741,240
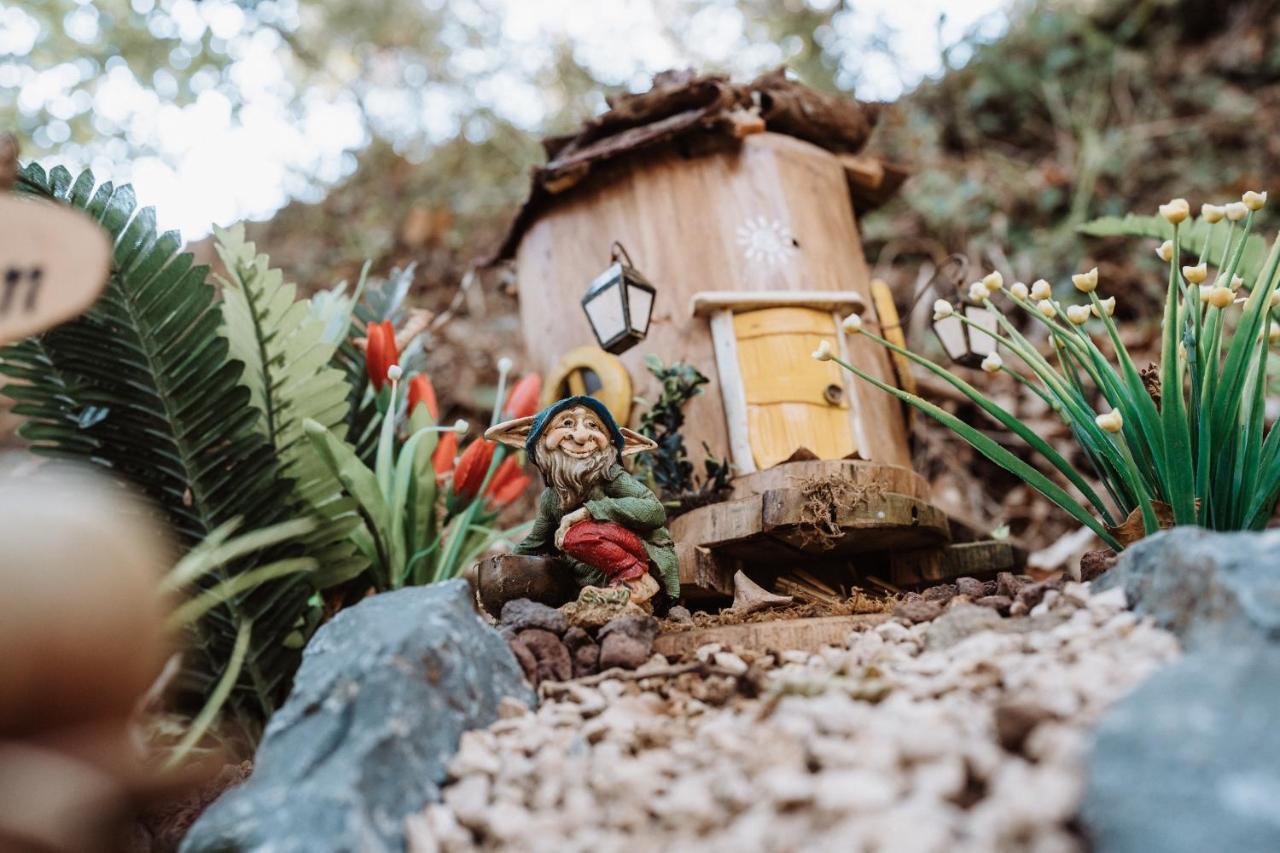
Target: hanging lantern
967,343
619,304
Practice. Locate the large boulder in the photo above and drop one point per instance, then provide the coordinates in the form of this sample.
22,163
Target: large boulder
385,691
1190,761
1205,587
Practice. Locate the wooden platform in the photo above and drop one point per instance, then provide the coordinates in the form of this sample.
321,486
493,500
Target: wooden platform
876,522
807,635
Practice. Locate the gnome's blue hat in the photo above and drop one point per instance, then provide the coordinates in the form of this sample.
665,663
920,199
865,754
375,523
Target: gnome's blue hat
544,417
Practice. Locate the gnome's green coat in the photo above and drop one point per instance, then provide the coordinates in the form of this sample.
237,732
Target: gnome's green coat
619,498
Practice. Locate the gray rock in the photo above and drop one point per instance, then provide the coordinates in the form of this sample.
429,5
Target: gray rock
680,614
627,641
1190,761
960,622
385,691
1204,586
523,613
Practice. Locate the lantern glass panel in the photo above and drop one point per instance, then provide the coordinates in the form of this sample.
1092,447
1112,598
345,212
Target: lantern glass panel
641,305
981,344
950,332
604,306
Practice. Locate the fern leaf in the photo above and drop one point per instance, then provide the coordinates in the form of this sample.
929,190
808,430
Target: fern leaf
143,384
289,379
1190,238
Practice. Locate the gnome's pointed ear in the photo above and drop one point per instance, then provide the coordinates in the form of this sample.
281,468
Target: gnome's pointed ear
511,433
634,442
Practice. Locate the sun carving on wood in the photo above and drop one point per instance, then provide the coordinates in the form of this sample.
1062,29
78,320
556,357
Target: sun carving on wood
767,241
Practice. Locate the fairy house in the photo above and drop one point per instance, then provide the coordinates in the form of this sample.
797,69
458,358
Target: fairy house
739,203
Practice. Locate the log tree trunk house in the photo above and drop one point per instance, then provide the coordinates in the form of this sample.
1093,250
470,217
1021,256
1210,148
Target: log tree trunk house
739,203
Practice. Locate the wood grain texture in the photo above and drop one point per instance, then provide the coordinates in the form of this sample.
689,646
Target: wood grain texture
681,221
808,635
708,302
704,574
733,397
891,478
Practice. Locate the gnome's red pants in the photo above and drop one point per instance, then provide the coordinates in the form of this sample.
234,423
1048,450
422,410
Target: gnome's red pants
609,547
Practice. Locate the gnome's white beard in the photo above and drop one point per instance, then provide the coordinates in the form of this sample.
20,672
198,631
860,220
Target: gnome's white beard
571,477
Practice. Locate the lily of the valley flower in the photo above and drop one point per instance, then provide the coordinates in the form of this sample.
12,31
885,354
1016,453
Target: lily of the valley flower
1236,282
1108,305
1165,251
1176,210
852,324
993,281
942,309
1041,290
1018,290
1221,297
1046,308
1237,210
1196,274
823,352
1086,282
1254,200
992,363
1212,213
1112,421
978,292
395,372
1078,314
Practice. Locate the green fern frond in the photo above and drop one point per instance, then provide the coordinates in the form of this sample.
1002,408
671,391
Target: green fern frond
1191,237
287,372
143,384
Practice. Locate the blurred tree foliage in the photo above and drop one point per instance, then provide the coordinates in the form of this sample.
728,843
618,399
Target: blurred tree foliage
1083,110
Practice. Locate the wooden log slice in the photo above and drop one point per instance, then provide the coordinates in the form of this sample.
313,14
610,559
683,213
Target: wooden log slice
790,475
507,577
880,522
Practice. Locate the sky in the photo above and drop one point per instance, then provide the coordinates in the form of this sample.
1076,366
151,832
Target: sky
213,166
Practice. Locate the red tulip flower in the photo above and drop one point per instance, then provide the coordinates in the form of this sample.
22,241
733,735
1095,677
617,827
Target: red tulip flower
380,352
446,451
472,467
506,484
510,490
422,391
523,399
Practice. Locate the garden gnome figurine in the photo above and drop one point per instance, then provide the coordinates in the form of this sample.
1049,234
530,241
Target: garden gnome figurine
604,523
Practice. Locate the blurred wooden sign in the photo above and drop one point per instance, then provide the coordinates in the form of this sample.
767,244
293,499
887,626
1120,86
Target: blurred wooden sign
53,264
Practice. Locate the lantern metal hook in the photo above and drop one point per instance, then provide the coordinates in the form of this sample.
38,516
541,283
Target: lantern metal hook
952,269
615,249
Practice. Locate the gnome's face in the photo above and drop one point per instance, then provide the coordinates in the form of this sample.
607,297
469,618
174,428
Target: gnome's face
577,433
574,449
575,454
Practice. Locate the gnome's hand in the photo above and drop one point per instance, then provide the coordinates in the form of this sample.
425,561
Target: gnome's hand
568,521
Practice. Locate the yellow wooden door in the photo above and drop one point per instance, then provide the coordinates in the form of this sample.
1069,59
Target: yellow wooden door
793,400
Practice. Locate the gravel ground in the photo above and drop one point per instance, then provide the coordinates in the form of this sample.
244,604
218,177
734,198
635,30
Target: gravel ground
937,736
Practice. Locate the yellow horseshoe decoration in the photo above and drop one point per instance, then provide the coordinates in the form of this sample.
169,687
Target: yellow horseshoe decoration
568,379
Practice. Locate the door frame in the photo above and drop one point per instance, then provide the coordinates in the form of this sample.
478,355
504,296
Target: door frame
719,306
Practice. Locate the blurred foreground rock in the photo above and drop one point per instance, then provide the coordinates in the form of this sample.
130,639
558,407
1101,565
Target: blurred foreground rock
1205,587
1191,761
384,693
